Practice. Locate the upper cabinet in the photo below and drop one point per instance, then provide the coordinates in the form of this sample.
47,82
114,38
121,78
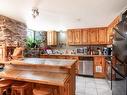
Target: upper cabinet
74,36
70,36
51,38
102,35
89,36
85,36
93,36
110,30
77,37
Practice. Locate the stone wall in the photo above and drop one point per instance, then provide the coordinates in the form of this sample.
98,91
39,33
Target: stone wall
12,31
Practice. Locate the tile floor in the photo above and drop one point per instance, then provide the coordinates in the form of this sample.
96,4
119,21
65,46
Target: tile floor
91,86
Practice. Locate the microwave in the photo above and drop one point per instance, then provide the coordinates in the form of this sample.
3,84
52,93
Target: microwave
80,50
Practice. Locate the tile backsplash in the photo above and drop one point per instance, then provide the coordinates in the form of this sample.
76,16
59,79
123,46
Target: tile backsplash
63,47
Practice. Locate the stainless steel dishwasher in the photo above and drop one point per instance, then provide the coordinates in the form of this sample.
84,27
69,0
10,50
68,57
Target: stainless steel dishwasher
86,66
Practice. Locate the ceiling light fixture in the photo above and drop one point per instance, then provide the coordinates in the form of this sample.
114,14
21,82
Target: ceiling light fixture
35,12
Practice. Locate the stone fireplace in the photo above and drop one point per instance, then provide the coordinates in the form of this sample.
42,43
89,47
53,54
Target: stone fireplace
12,31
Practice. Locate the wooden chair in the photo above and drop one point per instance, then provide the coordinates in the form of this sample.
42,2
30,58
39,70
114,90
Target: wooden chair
18,53
4,86
42,91
21,88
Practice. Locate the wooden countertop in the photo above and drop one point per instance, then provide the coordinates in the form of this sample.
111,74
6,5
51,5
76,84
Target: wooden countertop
50,78
42,62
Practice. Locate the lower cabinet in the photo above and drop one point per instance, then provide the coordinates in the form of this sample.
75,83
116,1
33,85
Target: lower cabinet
99,67
64,57
98,64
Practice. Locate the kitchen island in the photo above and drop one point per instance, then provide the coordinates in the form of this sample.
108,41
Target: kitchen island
59,74
98,67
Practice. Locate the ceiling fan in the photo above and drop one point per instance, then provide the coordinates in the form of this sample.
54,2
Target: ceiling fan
35,10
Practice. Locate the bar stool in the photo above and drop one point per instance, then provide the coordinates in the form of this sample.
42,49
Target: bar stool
21,88
4,86
42,91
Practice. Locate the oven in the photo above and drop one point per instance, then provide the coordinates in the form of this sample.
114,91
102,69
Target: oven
86,66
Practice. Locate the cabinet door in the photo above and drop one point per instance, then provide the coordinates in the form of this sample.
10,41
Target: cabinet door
102,36
99,67
93,36
54,38
77,36
85,36
51,38
70,35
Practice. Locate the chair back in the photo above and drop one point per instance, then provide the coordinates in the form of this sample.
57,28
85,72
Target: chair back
18,53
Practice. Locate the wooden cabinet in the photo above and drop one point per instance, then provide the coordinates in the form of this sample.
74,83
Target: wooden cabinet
63,57
85,36
99,67
6,52
99,63
77,36
74,36
93,36
88,36
70,36
51,38
110,30
102,36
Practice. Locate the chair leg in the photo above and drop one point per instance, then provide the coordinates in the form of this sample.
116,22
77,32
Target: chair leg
22,92
6,92
12,92
1,92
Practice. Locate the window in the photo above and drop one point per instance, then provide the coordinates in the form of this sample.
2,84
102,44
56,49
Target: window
34,35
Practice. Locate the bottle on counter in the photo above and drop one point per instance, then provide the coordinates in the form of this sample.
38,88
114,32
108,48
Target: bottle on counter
99,51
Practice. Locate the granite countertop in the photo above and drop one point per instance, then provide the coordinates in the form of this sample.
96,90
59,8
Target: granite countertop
77,55
42,62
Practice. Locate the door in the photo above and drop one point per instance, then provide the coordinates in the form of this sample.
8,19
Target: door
85,36
70,36
99,67
77,36
102,35
51,38
93,36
